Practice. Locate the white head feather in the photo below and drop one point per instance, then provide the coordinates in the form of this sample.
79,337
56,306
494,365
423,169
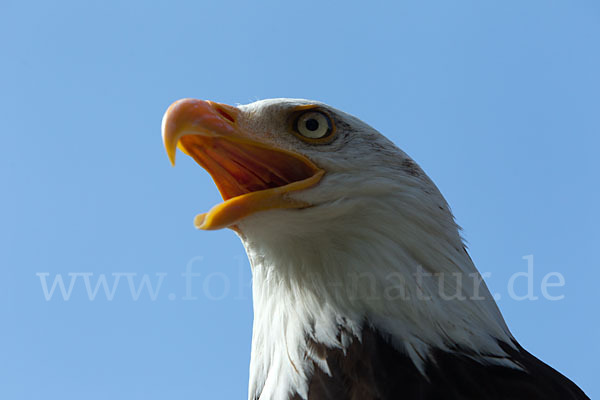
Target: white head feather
358,257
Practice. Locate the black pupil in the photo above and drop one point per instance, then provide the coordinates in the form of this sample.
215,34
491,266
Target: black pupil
312,124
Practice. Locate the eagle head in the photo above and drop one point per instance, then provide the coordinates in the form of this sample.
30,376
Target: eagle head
347,237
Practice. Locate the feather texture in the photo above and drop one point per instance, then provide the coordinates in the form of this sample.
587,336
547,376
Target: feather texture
372,369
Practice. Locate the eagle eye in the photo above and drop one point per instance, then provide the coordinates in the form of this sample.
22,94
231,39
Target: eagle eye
314,125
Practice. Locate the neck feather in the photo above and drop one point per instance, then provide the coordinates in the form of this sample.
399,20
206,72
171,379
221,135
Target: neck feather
410,279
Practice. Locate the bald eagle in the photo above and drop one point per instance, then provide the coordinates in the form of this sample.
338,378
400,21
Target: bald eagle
362,286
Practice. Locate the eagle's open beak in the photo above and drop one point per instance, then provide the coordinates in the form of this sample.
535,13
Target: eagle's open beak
251,176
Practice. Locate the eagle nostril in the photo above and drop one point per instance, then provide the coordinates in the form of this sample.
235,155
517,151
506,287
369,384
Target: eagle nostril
225,114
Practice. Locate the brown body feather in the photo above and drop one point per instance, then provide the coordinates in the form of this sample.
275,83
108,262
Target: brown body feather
372,369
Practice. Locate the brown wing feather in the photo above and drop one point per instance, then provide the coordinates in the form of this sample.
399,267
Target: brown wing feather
375,370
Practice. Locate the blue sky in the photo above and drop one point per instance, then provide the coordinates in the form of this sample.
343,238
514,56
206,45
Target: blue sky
497,101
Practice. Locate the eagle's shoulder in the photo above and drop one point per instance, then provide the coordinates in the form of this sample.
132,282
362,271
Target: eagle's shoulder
373,369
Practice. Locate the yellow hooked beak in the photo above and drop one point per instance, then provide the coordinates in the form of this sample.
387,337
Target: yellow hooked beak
251,176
